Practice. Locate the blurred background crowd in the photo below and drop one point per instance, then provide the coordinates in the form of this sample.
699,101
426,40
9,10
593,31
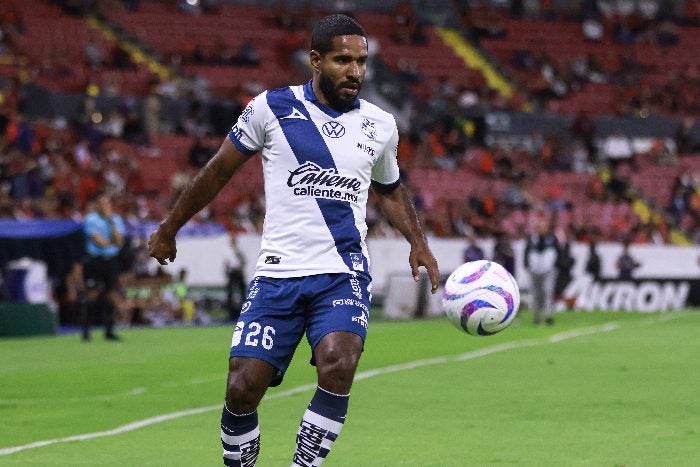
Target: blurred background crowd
583,114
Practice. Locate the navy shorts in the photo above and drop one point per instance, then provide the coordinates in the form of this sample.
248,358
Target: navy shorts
277,312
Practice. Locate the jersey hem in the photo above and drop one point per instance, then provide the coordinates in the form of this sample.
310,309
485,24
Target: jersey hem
297,273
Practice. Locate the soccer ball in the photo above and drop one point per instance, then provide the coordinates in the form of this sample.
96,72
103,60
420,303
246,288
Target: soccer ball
481,298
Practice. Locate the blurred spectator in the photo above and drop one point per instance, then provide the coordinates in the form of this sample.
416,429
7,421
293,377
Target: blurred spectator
104,232
626,264
407,26
516,196
473,252
409,71
618,184
200,153
94,55
593,261
247,55
617,148
235,280
684,136
503,252
667,34
151,114
592,29
564,266
541,253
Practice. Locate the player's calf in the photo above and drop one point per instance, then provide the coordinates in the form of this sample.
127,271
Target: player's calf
240,438
320,427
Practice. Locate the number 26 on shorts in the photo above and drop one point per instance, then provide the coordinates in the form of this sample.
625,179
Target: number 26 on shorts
253,337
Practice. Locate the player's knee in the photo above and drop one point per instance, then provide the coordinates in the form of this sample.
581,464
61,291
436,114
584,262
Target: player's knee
243,392
336,370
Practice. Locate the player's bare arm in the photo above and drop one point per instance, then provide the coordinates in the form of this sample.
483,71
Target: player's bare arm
198,193
399,210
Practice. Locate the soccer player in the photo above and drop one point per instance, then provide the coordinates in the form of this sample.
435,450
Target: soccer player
322,147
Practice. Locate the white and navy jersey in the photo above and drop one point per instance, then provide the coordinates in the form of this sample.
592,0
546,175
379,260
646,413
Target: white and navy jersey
318,164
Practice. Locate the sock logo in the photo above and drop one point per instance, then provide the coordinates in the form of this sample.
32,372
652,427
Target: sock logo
308,443
249,452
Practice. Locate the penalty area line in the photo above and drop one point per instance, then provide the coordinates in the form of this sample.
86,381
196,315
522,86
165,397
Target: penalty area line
307,387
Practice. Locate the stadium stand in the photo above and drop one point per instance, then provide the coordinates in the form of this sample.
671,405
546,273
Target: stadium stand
611,74
82,110
442,77
65,53
206,45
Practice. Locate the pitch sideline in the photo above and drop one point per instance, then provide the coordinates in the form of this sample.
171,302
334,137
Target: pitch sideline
607,327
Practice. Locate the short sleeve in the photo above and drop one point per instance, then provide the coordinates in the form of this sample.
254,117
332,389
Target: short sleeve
386,170
119,224
248,134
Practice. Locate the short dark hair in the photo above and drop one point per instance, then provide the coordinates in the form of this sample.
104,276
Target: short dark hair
331,26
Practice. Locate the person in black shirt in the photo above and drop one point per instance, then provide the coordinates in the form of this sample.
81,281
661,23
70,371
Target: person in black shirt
626,264
593,262
472,252
503,253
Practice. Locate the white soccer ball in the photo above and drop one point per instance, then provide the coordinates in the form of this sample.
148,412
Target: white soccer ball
481,298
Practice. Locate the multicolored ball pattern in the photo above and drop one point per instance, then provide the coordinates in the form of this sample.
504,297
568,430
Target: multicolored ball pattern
481,298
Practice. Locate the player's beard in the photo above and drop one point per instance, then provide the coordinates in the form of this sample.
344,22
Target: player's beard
332,92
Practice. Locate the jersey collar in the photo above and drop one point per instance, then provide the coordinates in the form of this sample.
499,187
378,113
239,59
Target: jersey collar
309,95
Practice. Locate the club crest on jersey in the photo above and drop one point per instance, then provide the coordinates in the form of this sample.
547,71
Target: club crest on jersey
368,129
333,129
248,112
357,262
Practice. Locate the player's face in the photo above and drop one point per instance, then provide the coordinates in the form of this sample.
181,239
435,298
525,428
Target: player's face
341,71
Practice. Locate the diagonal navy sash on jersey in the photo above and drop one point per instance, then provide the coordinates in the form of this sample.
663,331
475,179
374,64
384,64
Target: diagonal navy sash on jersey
308,145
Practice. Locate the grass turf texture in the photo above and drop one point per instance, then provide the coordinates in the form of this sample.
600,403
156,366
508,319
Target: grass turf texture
623,397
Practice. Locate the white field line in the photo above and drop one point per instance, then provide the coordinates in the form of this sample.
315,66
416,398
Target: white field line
117,395
308,387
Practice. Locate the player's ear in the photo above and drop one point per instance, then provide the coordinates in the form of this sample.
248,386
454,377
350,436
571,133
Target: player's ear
315,60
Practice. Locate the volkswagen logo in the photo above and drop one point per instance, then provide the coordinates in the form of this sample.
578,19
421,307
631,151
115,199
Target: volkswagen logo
333,129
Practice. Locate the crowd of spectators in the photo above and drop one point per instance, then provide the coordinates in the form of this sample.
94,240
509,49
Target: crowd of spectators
52,169
629,27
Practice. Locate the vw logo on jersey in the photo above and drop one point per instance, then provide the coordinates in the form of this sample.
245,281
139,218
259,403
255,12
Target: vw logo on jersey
333,129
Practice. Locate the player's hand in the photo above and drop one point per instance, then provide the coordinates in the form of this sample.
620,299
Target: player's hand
422,256
161,246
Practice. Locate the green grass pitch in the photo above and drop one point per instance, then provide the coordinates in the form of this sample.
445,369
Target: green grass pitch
595,389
